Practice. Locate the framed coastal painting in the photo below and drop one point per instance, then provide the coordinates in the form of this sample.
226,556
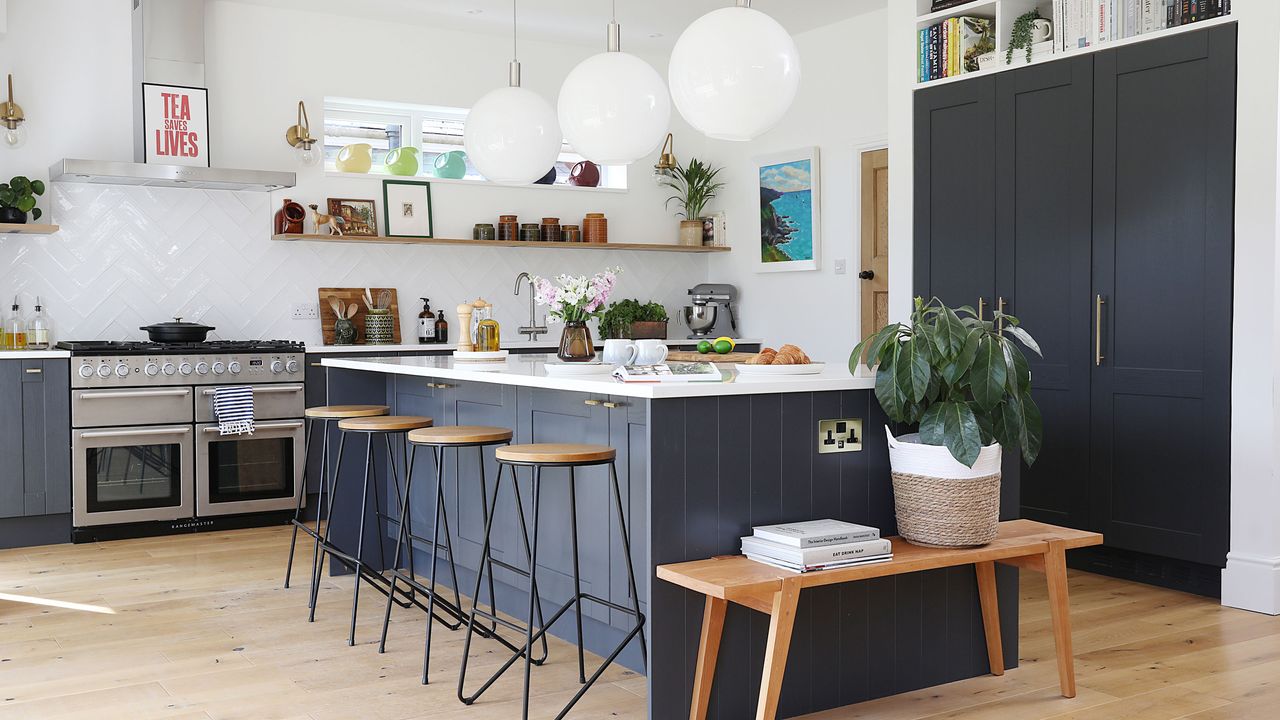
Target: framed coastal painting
406,205
790,228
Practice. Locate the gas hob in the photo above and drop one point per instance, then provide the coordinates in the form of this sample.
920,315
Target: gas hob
103,364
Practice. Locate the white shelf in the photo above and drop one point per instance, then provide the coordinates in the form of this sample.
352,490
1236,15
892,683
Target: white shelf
979,8
1003,44
468,183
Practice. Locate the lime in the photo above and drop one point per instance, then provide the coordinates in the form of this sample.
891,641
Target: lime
732,344
704,347
724,347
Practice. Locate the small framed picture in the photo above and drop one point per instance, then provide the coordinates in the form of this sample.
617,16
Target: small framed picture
407,207
790,192
175,125
357,217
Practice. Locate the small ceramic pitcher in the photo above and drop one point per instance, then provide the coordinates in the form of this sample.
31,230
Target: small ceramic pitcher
402,161
451,165
355,158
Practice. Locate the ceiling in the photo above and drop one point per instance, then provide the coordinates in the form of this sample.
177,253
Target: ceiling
647,25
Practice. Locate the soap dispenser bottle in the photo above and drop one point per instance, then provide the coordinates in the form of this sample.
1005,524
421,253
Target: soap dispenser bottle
441,328
426,323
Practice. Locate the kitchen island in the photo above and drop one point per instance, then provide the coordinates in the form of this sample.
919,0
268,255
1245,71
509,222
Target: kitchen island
699,465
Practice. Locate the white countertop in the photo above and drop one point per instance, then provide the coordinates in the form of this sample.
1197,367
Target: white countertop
34,354
548,344
529,371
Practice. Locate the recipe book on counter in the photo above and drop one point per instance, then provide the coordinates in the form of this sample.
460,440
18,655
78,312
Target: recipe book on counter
816,545
669,372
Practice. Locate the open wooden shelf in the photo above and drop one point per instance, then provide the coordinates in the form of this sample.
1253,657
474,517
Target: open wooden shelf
27,229
380,240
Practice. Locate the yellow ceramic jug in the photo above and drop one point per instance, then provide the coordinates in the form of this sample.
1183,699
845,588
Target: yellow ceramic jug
355,158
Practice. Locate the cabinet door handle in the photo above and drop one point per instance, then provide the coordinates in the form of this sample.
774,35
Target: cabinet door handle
439,386
1000,309
1097,331
612,405
982,306
593,403
316,364
34,371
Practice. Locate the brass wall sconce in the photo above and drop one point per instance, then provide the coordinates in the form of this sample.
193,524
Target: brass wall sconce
667,162
11,117
299,136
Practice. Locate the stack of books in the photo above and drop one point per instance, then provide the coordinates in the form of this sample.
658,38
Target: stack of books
955,46
1088,23
816,545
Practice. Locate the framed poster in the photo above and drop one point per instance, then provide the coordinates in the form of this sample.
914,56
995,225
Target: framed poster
790,214
175,124
407,207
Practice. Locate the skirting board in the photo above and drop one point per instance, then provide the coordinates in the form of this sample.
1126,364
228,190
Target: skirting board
1252,582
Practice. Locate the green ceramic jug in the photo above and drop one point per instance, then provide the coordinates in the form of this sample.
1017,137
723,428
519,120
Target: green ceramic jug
355,158
403,161
452,165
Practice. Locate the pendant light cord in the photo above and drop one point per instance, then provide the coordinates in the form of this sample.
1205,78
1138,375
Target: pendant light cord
515,29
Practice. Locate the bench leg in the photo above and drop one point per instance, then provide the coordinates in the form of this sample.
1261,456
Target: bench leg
990,614
708,653
1055,573
782,619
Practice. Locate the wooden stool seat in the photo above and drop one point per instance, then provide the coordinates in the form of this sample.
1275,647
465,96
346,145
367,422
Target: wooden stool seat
556,453
338,412
459,435
385,423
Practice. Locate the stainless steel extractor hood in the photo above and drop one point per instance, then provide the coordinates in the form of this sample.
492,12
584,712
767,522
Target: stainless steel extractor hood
106,172
168,48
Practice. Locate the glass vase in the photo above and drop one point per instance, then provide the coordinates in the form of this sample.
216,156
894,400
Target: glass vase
575,343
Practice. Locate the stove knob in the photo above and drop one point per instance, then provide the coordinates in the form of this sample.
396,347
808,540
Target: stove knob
291,366
122,370
219,368
86,371
202,368
277,367
151,369
104,371
233,367
169,368
185,368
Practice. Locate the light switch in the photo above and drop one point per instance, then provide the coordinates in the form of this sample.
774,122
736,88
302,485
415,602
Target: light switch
842,266
839,436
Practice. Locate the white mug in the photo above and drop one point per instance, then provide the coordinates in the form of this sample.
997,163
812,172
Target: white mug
1041,30
651,352
620,352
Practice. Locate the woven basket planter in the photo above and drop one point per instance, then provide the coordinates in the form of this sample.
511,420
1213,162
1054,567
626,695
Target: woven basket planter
940,502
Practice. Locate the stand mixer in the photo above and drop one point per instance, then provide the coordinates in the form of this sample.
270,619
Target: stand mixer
711,314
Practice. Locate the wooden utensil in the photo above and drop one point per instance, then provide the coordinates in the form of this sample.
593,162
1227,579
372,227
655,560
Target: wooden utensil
351,303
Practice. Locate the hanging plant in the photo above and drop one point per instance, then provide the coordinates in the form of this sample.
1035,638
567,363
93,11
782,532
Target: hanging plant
1020,36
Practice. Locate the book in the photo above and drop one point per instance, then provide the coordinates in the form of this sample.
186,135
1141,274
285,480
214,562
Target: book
939,5
977,40
817,555
815,533
923,40
935,51
670,372
782,565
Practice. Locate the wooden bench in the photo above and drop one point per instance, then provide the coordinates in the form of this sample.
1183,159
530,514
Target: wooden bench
733,578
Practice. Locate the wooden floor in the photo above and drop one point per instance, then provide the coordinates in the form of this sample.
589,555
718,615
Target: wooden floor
199,627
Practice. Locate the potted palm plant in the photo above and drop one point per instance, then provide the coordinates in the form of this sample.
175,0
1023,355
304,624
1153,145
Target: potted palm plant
695,185
967,386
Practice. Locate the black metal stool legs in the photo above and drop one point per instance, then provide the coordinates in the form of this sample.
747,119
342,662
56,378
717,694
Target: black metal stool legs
318,569
297,511
577,576
359,557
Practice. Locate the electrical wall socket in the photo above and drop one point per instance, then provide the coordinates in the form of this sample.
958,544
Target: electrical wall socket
839,436
305,311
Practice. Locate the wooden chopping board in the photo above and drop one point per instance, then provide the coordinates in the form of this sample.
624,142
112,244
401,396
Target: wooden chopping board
354,296
690,356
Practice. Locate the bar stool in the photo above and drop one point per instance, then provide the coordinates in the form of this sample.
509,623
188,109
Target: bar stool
538,457
324,414
386,426
438,439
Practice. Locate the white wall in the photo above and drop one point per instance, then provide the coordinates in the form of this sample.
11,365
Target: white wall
840,108
122,250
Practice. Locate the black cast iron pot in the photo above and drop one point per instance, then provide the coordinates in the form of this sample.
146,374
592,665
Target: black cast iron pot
177,332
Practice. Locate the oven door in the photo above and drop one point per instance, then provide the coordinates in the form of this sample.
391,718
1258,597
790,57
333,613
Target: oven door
132,474
249,473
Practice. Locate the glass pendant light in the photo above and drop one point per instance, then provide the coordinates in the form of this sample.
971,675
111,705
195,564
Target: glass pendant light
614,107
512,136
734,73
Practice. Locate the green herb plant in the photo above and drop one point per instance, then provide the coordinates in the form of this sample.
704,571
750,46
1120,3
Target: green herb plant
961,378
617,320
1020,35
695,185
21,193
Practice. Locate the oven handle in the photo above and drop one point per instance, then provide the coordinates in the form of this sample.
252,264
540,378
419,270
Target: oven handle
136,433
115,394
265,426
269,389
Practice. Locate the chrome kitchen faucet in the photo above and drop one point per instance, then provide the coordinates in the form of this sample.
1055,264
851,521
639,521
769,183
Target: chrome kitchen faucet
533,329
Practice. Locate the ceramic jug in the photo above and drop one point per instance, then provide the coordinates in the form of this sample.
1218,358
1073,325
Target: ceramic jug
585,174
355,158
402,161
451,165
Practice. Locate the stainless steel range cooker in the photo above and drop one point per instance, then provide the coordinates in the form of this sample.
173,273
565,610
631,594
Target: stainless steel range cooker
147,457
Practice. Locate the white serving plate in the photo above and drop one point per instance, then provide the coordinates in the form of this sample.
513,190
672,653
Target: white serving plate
562,369
498,356
810,369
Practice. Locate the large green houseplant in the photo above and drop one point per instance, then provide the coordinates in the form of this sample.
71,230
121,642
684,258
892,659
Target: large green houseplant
964,381
695,185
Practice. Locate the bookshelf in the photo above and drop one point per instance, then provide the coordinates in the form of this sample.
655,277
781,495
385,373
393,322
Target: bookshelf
1004,12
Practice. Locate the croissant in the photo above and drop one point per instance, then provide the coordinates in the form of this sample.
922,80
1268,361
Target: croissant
791,355
765,357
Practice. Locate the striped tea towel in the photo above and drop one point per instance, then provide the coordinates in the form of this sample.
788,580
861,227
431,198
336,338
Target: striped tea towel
233,409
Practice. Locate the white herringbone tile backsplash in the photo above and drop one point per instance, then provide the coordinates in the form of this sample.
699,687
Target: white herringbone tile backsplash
131,256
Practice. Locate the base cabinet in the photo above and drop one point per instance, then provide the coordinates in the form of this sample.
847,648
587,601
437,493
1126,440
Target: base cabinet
35,442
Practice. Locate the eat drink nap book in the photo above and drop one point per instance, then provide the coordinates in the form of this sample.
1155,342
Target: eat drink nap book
816,533
825,555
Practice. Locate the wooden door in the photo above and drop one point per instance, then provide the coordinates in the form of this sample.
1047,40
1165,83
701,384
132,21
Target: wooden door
1162,268
1044,130
874,275
955,247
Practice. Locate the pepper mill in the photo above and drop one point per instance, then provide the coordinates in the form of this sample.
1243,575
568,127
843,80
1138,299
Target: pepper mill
464,323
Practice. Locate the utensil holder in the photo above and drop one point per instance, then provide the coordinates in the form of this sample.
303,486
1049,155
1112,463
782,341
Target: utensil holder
379,327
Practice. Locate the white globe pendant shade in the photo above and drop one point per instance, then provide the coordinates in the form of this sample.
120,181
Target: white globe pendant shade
512,136
614,108
734,73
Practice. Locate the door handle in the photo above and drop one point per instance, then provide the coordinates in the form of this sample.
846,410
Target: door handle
1097,331
612,405
1000,303
265,426
982,307
867,275
136,433
593,403
33,371
117,394
257,389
